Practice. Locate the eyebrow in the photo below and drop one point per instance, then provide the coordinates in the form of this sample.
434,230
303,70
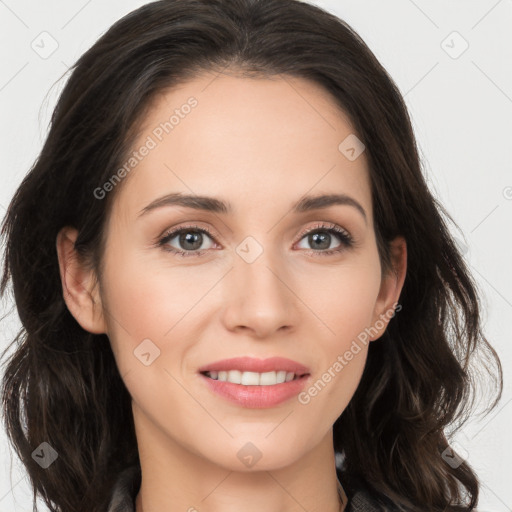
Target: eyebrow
212,204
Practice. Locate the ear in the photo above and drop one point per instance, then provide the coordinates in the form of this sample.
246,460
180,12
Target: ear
390,289
79,284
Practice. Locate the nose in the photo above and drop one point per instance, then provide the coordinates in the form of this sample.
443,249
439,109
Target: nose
259,297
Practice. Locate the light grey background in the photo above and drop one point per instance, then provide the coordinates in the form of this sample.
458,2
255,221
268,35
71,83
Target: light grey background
461,105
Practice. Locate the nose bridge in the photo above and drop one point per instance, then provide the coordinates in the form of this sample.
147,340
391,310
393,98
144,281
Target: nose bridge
258,293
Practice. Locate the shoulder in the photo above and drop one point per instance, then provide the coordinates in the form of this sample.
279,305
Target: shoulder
362,497
125,490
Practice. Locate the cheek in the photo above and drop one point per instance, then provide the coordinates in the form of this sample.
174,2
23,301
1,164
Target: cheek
342,297
343,300
156,301
147,297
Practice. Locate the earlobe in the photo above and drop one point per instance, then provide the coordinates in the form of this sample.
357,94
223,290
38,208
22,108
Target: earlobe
391,287
78,284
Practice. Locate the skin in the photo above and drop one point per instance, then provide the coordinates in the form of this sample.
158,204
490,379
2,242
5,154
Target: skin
260,144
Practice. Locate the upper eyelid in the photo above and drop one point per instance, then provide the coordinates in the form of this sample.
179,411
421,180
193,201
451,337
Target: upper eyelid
324,225
175,231
320,225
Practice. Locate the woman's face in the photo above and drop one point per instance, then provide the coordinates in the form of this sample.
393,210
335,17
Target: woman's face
258,285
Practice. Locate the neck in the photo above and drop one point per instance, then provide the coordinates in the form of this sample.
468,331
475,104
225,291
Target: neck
177,479
184,485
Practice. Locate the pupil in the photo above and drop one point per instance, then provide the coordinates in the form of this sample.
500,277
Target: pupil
189,238
324,237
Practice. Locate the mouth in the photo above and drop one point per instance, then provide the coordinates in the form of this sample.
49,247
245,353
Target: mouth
255,383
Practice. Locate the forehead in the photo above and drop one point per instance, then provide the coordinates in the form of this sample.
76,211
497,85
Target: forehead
246,139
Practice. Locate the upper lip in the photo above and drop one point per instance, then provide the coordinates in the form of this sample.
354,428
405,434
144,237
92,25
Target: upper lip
251,364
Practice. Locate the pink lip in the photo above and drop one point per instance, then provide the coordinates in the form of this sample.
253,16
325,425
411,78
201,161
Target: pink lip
251,364
257,397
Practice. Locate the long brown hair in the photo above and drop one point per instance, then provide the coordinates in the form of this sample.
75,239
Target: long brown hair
62,386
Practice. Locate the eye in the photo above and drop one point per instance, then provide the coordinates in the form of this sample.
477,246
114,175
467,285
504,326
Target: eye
190,239
320,237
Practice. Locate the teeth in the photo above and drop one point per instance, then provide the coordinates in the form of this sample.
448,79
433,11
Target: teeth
252,378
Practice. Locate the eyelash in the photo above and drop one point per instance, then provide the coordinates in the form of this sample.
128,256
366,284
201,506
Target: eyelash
345,238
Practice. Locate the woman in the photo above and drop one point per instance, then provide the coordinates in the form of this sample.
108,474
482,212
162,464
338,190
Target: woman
308,349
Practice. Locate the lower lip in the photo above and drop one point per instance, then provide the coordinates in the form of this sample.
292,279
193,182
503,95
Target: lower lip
257,397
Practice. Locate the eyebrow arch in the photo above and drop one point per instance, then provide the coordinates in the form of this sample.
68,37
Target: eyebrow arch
212,204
